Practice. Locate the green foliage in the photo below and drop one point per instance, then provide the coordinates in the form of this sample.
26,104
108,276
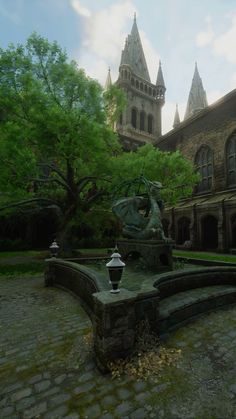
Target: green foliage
55,138
171,169
57,147
204,255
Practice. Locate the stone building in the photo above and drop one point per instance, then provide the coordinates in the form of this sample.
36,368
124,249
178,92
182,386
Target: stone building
206,136
140,122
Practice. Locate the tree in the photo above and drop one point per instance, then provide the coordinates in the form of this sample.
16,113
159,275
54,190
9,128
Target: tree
55,140
175,172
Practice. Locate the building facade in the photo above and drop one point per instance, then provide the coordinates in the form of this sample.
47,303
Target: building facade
140,122
206,136
208,139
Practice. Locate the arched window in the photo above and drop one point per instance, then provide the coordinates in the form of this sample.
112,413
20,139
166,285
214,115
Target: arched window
204,163
141,86
183,234
231,160
145,88
125,74
150,124
142,121
137,84
209,232
134,117
132,81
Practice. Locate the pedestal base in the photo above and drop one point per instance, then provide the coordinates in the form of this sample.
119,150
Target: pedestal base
156,254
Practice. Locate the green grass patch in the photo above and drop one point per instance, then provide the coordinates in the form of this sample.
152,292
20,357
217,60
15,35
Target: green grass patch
100,251
25,253
22,269
204,256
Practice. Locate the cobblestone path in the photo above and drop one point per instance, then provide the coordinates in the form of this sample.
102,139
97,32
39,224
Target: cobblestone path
47,368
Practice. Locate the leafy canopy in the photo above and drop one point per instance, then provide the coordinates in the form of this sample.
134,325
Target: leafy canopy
176,173
54,135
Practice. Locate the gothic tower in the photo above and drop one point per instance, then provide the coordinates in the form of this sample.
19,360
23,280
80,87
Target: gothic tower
141,119
197,99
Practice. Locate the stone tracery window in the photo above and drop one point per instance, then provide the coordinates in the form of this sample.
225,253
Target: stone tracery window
142,121
204,163
150,124
231,160
134,117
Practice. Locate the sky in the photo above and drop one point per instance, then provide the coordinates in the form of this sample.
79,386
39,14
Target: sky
178,32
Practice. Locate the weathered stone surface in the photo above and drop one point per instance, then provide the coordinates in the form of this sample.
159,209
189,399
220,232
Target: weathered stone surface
206,370
42,385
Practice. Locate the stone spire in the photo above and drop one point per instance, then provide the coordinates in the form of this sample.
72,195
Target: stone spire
160,79
197,99
108,80
133,54
176,118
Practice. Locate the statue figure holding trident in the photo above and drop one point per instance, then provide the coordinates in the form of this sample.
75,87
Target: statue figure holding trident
141,213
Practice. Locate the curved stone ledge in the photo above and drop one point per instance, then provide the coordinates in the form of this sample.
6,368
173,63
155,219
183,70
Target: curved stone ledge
178,281
80,280
171,299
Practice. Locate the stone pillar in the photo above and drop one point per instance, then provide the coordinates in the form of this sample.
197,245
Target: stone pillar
49,274
115,321
114,325
171,228
221,227
193,228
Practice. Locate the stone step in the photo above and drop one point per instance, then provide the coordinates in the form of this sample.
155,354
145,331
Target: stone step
182,306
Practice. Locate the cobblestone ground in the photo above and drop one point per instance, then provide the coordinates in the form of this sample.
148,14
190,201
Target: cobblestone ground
47,368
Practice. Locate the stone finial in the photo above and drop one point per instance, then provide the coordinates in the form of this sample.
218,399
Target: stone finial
108,80
176,118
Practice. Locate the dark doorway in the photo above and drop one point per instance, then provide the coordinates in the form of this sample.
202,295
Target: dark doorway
165,225
183,230
233,231
209,232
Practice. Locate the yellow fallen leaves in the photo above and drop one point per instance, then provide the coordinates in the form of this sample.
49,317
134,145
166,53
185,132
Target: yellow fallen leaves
148,359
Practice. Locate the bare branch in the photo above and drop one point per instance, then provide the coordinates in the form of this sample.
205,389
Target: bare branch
29,201
85,180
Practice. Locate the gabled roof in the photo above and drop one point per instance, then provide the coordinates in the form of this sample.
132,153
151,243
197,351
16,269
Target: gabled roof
133,54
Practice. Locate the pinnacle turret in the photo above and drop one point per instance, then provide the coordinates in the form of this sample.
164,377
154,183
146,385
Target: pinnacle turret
197,99
160,78
133,54
176,118
108,80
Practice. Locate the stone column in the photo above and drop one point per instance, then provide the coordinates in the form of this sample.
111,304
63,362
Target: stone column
114,325
221,227
115,321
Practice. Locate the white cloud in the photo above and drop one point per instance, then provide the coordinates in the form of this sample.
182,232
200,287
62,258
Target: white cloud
81,10
104,39
205,37
224,44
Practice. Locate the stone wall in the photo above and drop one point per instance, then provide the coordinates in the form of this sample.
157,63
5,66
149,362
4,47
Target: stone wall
212,126
116,317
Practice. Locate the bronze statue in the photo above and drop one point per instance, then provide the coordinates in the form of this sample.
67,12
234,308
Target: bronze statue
141,214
